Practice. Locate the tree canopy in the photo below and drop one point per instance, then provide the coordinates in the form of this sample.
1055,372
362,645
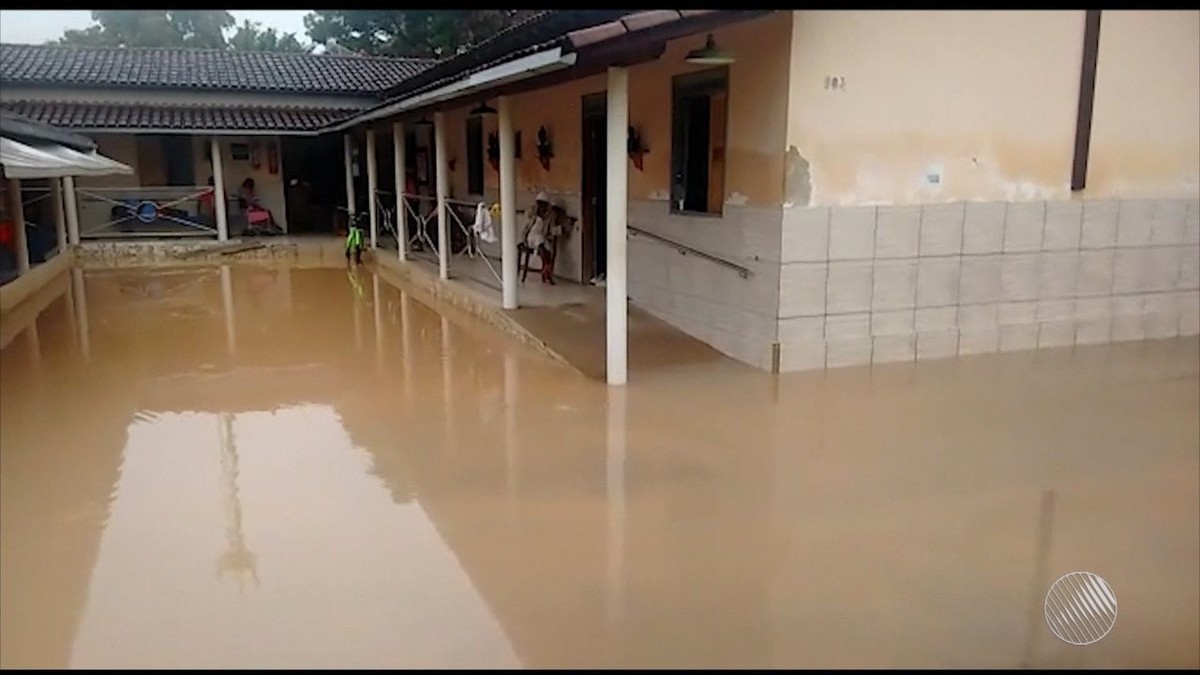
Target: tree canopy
409,33
405,33
177,28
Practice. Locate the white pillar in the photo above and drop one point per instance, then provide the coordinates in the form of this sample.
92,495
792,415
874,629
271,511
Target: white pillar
79,295
615,282
348,161
372,186
219,192
60,215
508,205
398,152
72,210
16,212
227,306
443,188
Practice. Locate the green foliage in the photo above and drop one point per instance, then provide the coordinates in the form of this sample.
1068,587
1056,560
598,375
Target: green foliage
409,33
178,28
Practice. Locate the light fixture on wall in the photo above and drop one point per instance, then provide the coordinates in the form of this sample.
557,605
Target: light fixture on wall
544,150
493,150
710,55
482,109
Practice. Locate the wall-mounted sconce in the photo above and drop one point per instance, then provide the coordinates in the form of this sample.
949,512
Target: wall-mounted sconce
493,150
637,148
545,153
451,163
517,145
482,109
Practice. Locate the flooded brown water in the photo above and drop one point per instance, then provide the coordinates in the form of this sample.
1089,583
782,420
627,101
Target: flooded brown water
326,478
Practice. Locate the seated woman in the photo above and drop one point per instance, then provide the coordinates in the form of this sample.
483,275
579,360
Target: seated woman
536,237
259,219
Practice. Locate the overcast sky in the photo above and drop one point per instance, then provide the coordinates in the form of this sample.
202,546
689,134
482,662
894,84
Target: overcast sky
31,26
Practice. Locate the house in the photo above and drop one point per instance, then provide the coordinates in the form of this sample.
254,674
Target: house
799,189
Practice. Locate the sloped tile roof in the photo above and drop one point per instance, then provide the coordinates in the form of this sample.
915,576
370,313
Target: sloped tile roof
201,69
112,116
22,128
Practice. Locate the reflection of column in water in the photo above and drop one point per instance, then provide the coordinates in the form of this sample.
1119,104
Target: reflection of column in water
377,305
615,483
358,336
406,320
1041,580
33,342
510,424
227,307
447,393
79,296
284,279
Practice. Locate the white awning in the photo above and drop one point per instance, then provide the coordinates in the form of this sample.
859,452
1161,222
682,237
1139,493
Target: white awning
52,161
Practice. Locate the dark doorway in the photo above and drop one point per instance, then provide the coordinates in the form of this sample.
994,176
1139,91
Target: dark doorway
594,188
313,182
698,117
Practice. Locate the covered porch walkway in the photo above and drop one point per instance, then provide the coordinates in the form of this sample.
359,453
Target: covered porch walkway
566,321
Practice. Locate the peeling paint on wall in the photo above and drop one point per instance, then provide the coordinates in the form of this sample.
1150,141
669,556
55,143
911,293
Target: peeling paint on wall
797,179
737,199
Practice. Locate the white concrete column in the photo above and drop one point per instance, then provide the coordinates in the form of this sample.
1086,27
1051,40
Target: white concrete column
72,210
372,187
219,191
398,152
443,188
227,306
615,279
79,296
508,205
16,212
349,163
60,214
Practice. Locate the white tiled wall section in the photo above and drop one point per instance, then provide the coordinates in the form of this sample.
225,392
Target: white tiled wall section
871,284
706,300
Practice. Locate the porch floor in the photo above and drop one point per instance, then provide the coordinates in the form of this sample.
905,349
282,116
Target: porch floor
569,319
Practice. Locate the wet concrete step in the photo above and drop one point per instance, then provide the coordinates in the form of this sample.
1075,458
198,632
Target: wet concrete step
222,249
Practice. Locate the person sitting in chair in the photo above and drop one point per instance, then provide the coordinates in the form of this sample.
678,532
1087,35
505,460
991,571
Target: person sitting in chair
259,219
537,238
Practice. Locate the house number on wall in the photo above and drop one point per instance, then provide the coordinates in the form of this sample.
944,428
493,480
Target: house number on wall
835,82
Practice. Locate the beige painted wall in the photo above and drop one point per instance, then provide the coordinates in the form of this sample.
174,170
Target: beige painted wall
757,118
123,148
986,101
268,186
1146,121
986,98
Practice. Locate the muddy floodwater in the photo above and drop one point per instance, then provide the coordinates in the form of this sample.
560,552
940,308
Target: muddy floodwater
253,466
